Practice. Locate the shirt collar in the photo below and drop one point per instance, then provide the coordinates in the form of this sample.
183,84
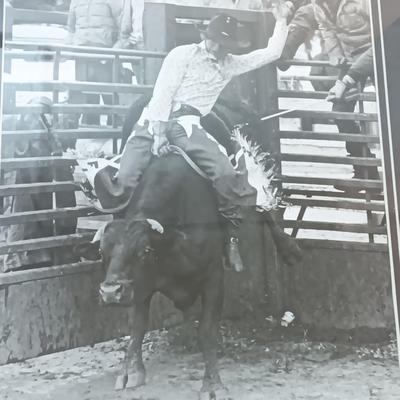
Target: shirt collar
202,47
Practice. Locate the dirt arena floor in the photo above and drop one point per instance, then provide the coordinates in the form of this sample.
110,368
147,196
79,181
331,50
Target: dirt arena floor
252,369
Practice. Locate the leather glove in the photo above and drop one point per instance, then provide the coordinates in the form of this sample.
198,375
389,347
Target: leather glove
337,92
160,145
283,10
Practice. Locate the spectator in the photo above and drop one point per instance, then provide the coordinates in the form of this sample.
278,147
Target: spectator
361,69
44,146
346,33
102,23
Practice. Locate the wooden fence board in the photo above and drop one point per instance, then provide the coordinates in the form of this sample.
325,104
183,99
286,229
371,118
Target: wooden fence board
302,94
68,109
82,49
370,117
45,242
311,135
12,278
44,215
345,204
35,188
342,245
8,164
80,133
40,55
312,158
358,183
93,87
289,191
335,226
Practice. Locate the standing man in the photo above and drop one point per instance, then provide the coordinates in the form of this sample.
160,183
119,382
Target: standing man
102,23
346,31
188,85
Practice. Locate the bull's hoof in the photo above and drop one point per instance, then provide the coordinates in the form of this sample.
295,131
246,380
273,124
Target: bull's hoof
130,381
221,393
121,381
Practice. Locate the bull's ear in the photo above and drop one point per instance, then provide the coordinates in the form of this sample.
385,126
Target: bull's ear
155,225
90,251
99,234
109,227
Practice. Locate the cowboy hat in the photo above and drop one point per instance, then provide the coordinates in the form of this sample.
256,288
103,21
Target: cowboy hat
224,30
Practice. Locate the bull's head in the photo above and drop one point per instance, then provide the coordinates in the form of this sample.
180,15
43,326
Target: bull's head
129,259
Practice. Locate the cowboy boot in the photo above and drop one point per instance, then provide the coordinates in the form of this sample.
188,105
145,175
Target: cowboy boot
232,250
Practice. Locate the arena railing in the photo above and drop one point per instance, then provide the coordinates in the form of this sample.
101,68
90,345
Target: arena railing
313,192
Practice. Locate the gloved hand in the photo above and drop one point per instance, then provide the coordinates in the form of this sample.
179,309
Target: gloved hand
282,10
337,92
160,145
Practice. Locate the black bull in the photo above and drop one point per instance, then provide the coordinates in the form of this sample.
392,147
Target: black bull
180,255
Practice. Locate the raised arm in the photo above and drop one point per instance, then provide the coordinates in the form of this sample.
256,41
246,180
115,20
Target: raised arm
239,64
301,27
363,67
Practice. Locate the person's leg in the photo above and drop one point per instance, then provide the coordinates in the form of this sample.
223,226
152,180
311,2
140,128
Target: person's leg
355,149
232,187
135,157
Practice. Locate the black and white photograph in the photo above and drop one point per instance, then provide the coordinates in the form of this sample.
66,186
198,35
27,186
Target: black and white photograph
199,200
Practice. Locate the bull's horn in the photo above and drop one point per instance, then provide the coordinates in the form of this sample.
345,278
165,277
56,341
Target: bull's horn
155,225
99,234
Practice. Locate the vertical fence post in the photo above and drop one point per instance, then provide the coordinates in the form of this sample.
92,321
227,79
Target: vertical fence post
363,125
158,36
116,65
268,103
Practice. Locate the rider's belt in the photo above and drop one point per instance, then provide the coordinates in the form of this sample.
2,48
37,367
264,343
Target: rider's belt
185,110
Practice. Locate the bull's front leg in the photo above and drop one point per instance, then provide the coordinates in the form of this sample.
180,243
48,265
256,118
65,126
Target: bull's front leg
133,373
212,298
287,247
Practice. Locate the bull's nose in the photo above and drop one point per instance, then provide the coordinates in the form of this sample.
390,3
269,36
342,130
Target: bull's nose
111,293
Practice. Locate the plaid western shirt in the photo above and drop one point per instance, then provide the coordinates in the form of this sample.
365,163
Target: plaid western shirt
191,75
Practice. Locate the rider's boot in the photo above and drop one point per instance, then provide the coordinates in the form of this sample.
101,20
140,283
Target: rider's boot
232,250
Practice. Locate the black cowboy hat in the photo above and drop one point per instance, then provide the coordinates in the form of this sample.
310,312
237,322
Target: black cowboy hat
224,30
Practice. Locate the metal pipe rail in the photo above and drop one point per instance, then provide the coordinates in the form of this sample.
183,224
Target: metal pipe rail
91,87
23,45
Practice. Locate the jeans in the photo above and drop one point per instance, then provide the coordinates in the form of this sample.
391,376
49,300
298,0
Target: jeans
232,187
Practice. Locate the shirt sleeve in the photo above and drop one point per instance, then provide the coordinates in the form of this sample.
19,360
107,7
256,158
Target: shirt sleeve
363,67
239,64
168,81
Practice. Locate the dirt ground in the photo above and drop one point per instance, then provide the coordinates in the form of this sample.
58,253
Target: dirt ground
275,370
